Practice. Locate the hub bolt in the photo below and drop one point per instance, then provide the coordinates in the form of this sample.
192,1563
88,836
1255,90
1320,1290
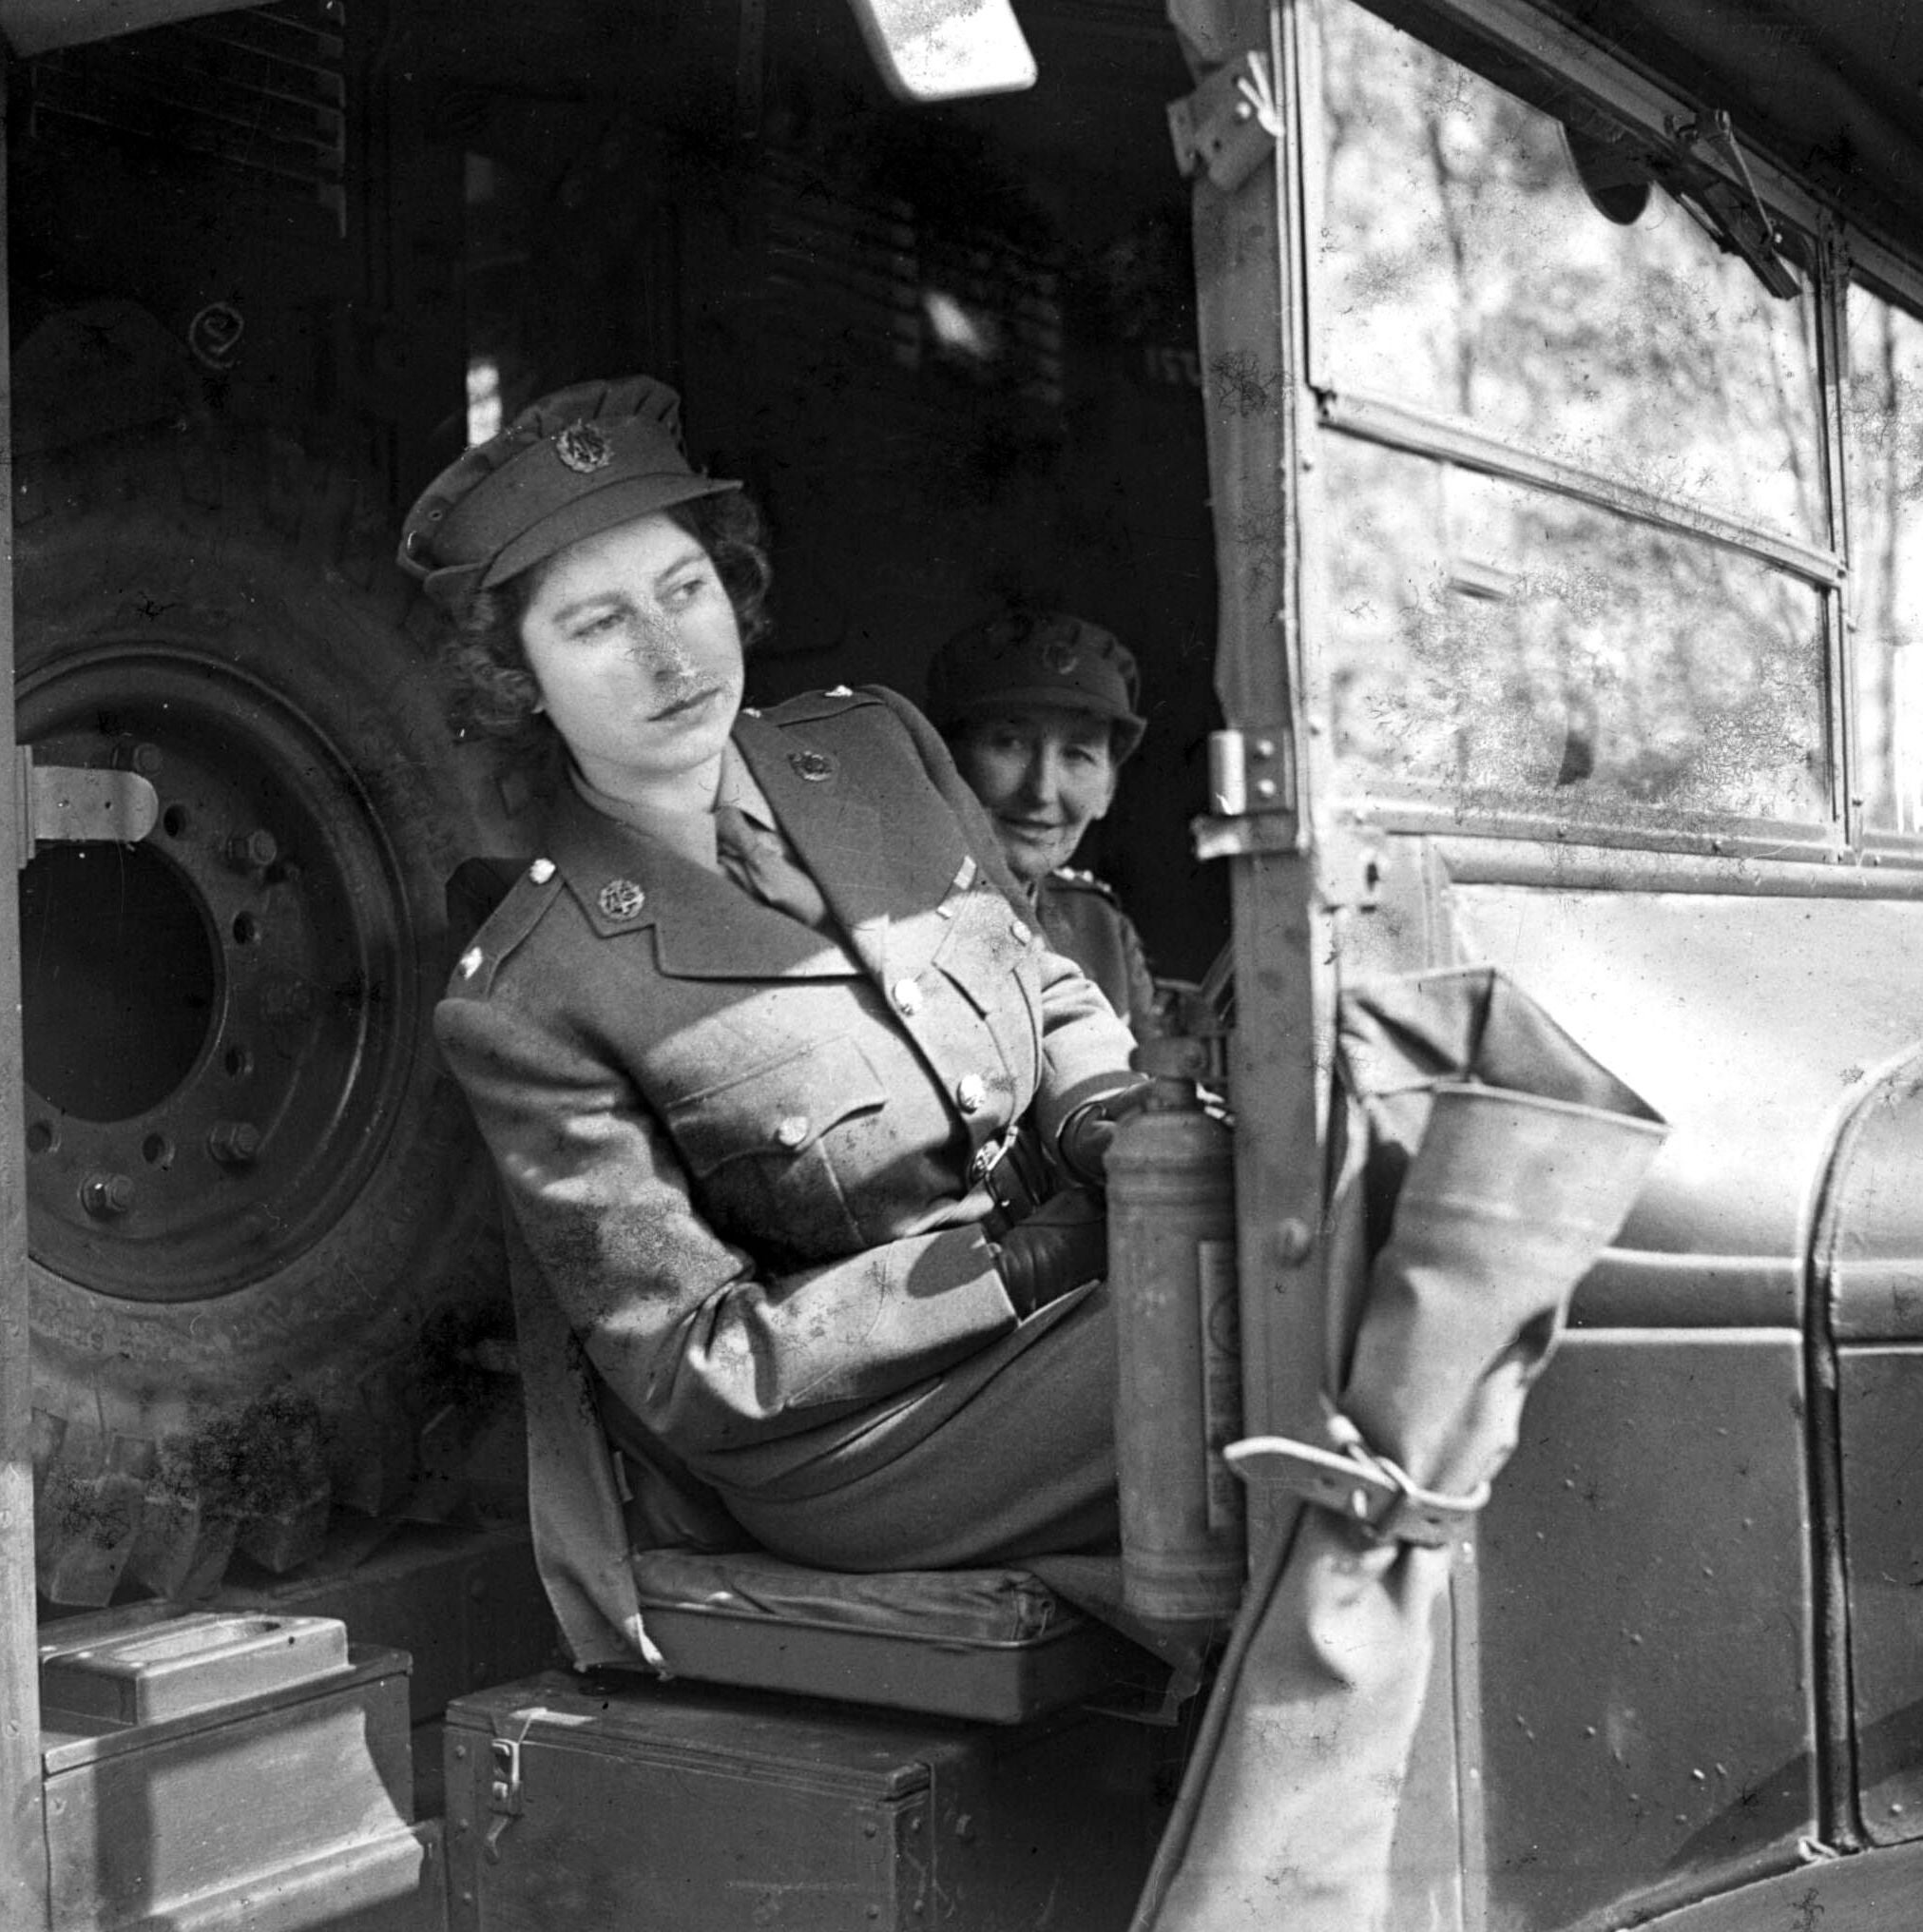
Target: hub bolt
144,759
234,1143
105,1196
252,851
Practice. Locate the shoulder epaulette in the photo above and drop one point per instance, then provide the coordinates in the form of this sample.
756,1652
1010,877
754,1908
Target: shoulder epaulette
813,704
506,928
1084,882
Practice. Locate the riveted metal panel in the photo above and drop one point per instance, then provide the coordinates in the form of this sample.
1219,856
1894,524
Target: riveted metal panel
1745,1022
1646,1703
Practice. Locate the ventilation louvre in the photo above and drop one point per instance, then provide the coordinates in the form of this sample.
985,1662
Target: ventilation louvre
262,92
907,299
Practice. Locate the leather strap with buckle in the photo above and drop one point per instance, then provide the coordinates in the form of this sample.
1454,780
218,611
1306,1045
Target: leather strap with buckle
1377,1495
1015,1173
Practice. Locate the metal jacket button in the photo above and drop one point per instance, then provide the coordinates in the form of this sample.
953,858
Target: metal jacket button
906,995
471,962
970,1092
541,871
792,1131
1019,933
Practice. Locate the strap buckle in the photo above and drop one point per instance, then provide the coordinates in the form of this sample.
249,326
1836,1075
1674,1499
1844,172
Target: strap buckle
1015,1174
1376,1494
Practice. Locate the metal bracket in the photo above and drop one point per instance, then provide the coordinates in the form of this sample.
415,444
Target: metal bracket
1738,221
1229,125
61,803
1237,838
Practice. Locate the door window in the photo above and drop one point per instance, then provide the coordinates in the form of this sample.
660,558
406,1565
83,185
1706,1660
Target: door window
1462,268
1574,543
1883,429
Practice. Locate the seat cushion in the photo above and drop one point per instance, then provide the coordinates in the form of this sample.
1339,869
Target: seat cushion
962,1606
995,1646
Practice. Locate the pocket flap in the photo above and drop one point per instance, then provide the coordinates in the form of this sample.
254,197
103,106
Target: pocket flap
781,1108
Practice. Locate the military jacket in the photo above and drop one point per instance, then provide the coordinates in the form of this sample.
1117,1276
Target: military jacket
742,1154
1085,922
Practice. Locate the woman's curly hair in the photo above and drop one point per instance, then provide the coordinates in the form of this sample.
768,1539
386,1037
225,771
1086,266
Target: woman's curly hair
491,690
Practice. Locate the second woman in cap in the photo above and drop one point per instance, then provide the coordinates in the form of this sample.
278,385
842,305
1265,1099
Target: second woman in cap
1038,708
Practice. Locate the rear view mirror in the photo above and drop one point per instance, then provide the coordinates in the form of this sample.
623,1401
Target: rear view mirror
946,49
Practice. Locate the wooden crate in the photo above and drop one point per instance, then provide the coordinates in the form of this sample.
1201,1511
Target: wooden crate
629,1806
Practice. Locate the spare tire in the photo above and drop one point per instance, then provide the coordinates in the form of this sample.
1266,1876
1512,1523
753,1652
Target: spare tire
260,1228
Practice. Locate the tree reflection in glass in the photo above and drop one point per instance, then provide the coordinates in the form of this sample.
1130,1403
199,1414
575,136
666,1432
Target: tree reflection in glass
1883,421
1506,643
1514,648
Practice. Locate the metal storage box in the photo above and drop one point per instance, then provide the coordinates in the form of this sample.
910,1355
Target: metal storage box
624,1805
220,1771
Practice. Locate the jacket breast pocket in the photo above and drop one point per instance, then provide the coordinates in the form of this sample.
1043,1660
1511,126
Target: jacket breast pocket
781,1153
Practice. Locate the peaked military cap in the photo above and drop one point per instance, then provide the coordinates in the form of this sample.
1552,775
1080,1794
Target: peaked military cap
1037,658
569,466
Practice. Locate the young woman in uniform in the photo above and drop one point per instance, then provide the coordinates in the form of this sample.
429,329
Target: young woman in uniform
745,1041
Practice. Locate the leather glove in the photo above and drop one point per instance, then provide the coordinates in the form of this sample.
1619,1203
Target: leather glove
1063,1244
1081,1141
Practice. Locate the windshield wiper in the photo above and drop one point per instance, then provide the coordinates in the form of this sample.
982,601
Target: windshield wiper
1730,211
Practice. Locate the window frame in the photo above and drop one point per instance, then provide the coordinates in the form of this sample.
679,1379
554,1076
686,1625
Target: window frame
1557,71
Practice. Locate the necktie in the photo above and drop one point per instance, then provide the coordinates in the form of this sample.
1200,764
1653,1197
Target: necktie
758,861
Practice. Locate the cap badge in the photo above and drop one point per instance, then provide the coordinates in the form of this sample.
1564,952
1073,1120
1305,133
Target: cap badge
583,447
1061,655
621,898
813,766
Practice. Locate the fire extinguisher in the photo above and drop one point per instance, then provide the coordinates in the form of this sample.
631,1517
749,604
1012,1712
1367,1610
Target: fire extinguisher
1172,1280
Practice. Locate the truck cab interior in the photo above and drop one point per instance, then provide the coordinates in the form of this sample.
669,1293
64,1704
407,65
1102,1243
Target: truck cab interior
1497,429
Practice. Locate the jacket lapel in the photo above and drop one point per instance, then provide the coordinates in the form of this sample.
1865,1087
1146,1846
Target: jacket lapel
836,831
705,926
892,872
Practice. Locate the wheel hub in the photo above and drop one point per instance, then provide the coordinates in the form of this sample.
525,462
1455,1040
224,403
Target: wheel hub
213,1050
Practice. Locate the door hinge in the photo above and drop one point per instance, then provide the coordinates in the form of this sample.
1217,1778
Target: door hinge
60,803
1252,794
1229,125
1251,771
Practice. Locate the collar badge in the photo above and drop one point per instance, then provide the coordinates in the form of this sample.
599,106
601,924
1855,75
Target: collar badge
621,898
